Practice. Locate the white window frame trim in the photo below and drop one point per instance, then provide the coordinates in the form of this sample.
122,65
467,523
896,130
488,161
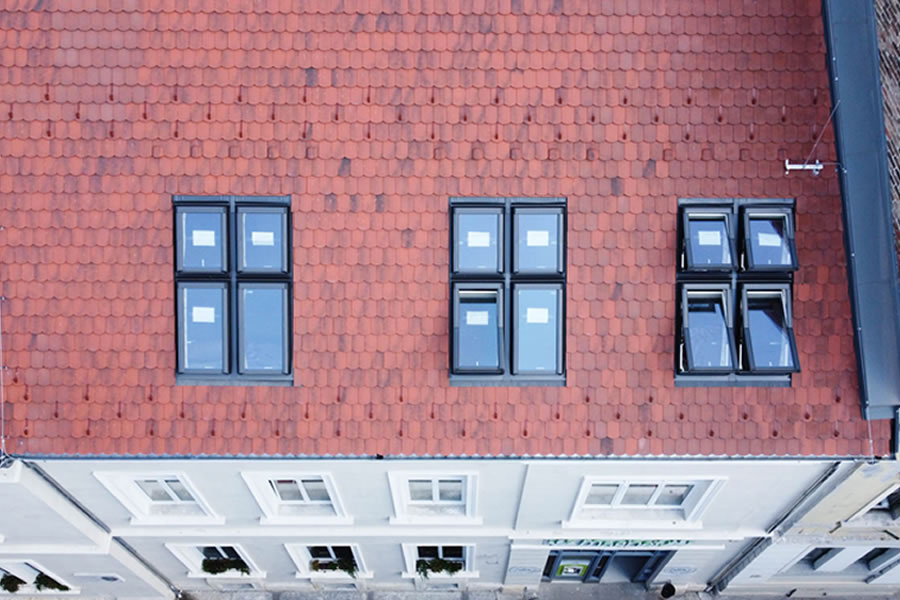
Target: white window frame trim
411,554
865,509
301,557
269,502
621,515
123,486
28,588
190,557
399,484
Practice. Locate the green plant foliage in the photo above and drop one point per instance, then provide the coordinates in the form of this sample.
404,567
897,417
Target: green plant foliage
45,582
437,565
11,583
216,566
347,565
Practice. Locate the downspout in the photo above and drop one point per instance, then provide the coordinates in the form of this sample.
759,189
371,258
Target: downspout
87,513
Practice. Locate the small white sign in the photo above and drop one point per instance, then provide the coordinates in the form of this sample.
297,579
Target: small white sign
478,239
538,238
476,317
768,239
203,237
709,238
537,315
262,238
203,314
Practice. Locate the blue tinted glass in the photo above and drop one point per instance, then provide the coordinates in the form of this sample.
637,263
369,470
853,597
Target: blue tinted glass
262,240
537,241
537,323
768,242
709,243
477,240
478,344
708,333
263,336
201,240
769,340
202,326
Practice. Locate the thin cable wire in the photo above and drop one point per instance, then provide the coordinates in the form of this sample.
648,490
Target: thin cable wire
2,389
821,133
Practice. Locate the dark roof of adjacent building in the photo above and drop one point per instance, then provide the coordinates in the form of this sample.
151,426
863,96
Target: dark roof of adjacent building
370,115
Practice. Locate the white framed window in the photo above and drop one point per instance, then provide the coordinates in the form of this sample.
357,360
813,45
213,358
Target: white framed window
27,577
432,560
885,505
159,498
434,498
296,498
679,501
216,560
328,561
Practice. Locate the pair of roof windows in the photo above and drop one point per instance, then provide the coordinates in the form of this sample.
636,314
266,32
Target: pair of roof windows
508,283
735,278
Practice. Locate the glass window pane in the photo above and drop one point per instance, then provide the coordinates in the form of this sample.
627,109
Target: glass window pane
315,490
453,552
320,552
638,494
287,490
450,490
674,495
230,552
769,339
537,329
427,551
179,490
602,493
154,490
478,243
708,338
420,489
212,552
343,552
203,327
263,338
478,344
537,241
262,239
202,240
708,239
769,242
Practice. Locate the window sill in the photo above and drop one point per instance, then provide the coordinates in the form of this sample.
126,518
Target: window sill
633,523
506,381
326,521
236,575
177,520
732,380
443,576
435,520
234,380
334,576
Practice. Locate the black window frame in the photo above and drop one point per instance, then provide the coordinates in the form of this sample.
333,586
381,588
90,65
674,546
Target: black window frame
556,286
733,282
772,212
706,290
457,211
783,291
505,281
234,280
459,290
560,236
693,213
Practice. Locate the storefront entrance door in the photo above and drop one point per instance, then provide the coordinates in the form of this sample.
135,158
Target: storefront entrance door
608,566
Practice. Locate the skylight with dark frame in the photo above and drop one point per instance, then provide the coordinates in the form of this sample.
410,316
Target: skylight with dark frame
508,291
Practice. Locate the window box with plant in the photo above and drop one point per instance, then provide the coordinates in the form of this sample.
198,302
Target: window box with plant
332,558
218,560
440,560
10,583
14,577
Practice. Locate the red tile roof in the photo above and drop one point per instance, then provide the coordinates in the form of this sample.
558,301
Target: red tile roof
370,115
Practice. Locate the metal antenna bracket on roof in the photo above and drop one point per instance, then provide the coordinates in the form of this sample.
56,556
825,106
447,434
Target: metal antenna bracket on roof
817,166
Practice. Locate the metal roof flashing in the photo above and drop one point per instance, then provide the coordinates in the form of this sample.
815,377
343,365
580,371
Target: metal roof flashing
855,79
